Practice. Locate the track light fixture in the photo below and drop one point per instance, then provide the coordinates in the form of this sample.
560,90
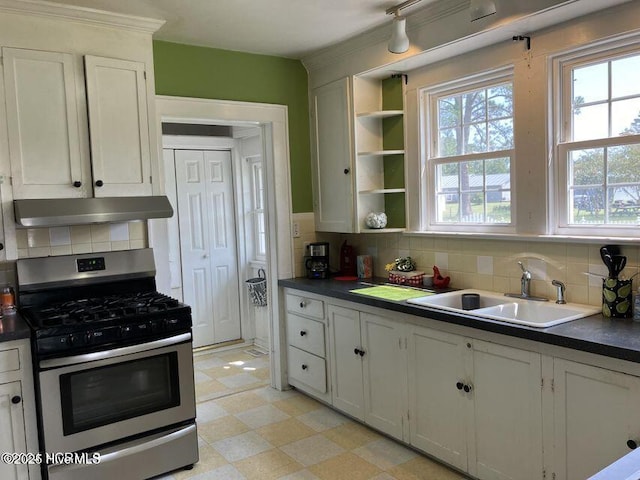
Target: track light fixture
481,8
399,42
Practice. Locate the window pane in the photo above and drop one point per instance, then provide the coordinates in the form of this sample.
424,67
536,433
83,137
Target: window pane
586,206
590,84
501,135
500,101
449,112
623,167
624,117
463,121
624,208
625,77
591,122
474,192
448,142
586,167
474,107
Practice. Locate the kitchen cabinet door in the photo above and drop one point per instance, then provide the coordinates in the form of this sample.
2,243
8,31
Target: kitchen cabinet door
596,412
505,441
118,121
44,120
12,430
347,392
384,374
333,157
437,404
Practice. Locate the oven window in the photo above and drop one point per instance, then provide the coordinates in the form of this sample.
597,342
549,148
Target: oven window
100,396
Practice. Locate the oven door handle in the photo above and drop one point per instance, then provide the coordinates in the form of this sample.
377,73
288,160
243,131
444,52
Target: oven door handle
115,352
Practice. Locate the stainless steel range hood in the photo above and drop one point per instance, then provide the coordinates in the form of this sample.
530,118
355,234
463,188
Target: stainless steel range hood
79,211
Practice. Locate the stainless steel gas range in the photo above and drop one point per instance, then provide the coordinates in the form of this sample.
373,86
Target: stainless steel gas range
113,366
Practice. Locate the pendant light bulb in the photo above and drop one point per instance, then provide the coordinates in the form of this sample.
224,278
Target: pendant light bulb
399,42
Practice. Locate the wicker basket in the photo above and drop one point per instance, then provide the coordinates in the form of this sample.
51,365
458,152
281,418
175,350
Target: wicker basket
258,289
413,278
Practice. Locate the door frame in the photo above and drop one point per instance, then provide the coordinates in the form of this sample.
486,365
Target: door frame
273,120
184,142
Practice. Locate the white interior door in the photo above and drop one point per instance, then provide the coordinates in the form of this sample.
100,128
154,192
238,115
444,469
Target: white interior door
208,244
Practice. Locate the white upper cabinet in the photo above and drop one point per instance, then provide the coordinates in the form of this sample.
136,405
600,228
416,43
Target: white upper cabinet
120,156
332,157
43,126
49,131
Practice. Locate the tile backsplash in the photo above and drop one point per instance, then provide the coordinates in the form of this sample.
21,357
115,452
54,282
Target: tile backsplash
42,242
490,264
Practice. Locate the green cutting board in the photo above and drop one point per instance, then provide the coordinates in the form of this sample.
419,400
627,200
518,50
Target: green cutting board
388,292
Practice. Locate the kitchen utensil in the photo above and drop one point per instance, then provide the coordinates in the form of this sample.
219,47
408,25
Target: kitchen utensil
607,259
618,262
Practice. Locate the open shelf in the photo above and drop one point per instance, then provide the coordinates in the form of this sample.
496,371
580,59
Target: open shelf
381,190
380,114
381,152
381,230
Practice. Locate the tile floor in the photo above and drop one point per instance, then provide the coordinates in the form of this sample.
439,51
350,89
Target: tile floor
247,430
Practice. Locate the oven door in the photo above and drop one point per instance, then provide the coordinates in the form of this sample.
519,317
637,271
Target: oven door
97,398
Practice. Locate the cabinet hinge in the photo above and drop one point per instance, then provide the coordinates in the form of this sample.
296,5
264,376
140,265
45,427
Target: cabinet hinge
400,343
150,178
542,383
553,388
544,474
553,476
144,73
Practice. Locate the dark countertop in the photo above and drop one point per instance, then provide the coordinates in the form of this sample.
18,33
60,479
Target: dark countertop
617,338
13,327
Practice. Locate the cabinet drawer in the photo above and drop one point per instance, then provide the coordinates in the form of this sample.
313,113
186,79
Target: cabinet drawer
9,360
306,334
305,306
307,368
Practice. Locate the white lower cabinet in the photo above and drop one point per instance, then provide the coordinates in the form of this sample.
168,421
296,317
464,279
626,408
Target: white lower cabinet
476,405
368,368
17,410
596,412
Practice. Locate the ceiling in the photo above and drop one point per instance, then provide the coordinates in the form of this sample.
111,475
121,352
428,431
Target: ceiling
286,28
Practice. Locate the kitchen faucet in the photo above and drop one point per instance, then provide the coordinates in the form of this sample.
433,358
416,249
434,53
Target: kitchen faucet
525,286
560,291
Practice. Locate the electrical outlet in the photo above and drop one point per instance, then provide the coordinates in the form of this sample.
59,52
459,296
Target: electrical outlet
296,230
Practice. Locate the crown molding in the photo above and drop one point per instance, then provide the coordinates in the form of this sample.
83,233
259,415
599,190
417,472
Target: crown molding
430,14
81,14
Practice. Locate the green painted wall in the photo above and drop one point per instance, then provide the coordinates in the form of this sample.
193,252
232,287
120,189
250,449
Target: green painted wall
393,139
191,71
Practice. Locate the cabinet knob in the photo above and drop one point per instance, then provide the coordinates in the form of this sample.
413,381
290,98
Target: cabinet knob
1,246
303,333
16,399
459,385
632,444
468,345
77,184
99,183
346,171
304,367
356,351
361,353
302,304
467,388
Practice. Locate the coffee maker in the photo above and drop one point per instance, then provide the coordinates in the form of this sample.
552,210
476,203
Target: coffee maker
317,260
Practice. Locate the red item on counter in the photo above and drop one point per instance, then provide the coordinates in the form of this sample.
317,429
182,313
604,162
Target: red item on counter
438,280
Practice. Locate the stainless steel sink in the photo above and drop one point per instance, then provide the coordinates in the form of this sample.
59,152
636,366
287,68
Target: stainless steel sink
494,306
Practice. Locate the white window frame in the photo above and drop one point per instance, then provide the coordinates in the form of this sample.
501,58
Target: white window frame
429,134
256,168
561,108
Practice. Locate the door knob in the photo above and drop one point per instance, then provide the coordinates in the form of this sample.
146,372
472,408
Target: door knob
99,183
16,399
632,444
467,388
304,367
77,184
303,333
346,171
459,385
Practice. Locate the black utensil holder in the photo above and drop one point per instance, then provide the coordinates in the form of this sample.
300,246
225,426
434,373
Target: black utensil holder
617,298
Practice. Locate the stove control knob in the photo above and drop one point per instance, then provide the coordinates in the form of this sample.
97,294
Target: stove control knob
125,331
88,337
71,340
